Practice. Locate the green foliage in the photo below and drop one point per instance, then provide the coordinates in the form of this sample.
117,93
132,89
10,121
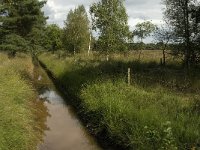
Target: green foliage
164,34
136,116
186,28
144,30
19,17
76,31
53,39
111,22
165,138
37,38
14,43
147,46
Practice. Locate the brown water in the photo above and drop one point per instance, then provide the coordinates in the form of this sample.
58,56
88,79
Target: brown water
63,130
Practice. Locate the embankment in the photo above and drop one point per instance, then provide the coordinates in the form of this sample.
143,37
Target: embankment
133,117
19,129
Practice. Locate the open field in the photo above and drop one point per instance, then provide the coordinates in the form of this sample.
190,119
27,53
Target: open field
159,110
18,125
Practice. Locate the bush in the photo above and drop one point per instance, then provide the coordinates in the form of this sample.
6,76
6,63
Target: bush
14,43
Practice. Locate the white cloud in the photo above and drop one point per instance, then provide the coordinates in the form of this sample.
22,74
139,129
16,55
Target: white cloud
138,10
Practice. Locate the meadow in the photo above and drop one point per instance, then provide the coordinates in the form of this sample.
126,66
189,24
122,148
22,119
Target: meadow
19,128
159,110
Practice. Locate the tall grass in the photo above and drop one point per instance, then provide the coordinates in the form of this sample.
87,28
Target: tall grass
142,119
17,123
137,116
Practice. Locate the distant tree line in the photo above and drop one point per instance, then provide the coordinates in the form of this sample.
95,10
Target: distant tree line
23,28
148,46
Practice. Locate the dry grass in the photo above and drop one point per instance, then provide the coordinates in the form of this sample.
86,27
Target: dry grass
17,124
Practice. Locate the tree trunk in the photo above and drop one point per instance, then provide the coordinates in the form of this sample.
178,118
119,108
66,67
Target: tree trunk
141,48
12,54
74,50
164,58
89,48
187,36
164,53
140,55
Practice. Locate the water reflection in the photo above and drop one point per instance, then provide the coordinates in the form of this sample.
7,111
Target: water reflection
58,123
41,114
52,97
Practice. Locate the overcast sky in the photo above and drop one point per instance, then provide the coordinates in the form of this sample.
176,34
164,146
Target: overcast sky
137,10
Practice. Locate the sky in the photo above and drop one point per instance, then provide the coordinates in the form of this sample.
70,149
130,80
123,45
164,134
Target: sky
137,10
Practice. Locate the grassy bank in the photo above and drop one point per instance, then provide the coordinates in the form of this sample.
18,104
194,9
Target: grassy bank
17,118
145,115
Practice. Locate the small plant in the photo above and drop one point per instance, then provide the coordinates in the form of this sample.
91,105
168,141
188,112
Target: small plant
161,140
168,140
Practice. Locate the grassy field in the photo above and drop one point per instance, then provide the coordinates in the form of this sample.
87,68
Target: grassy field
159,110
17,118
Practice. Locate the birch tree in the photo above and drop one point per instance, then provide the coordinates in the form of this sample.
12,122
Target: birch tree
142,31
76,31
110,21
164,36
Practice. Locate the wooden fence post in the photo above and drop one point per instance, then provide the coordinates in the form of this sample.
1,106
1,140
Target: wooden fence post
161,61
129,76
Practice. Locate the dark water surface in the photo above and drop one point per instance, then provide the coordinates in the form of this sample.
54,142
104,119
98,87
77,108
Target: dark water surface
62,129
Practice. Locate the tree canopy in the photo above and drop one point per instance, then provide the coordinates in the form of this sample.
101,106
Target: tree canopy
186,28
110,20
53,39
144,30
76,36
19,18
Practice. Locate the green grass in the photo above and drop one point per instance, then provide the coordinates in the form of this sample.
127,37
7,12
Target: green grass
146,115
17,124
140,118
